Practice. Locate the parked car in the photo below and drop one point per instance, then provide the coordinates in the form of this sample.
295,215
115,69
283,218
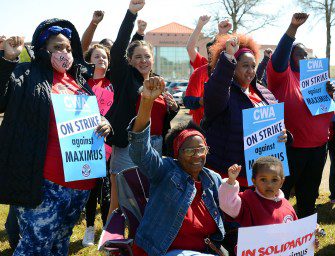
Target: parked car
178,97
175,87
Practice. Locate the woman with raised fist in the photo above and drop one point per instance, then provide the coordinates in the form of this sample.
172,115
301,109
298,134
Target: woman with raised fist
182,211
307,155
131,65
31,167
231,88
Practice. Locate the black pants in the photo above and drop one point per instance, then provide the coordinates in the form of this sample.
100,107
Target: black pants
12,228
306,166
100,193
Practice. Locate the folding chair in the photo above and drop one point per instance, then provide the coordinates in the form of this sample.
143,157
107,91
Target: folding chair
133,193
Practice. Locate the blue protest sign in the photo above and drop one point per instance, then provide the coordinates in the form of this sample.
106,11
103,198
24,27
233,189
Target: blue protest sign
261,128
313,79
83,153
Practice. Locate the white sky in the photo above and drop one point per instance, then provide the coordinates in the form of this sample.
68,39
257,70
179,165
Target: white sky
21,17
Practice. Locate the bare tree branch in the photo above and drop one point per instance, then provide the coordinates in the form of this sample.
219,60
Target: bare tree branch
324,9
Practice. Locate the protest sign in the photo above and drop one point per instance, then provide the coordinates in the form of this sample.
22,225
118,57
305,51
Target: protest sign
287,239
313,79
83,152
105,99
261,128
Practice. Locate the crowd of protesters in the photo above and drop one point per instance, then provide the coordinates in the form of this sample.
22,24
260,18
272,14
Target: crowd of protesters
196,170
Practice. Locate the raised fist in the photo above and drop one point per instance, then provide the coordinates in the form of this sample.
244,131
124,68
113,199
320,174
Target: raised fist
232,45
2,39
153,87
13,47
136,5
97,17
299,18
233,172
268,52
224,27
141,26
203,20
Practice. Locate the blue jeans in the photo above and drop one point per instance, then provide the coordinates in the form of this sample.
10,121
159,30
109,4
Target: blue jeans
12,228
186,253
46,229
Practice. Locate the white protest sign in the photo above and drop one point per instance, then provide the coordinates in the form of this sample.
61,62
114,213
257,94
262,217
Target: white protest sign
292,238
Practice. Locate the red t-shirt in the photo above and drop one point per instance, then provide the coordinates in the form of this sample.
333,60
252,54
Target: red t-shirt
104,92
53,165
308,131
254,97
195,88
197,225
158,113
256,210
198,61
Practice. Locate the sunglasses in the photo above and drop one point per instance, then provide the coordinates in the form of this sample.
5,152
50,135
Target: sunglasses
193,151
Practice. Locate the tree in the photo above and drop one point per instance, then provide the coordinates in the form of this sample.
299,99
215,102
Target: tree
325,10
244,13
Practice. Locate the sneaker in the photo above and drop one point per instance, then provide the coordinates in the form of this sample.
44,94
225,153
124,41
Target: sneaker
88,239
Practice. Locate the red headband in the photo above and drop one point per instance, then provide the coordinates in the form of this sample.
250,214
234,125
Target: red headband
241,51
182,136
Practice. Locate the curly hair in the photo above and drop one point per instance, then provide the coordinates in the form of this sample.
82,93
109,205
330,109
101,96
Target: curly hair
174,132
266,162
89,52
245,41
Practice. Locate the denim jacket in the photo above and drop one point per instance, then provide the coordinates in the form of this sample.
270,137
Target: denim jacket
172,191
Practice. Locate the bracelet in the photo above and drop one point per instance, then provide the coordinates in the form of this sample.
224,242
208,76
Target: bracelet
96,24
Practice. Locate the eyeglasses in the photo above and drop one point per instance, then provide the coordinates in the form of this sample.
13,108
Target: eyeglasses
192,151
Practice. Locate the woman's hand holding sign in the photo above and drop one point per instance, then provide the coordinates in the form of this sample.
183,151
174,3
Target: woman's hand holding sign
330,87
104,128
283,136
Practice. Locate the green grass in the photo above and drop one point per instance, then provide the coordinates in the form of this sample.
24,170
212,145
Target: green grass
326,219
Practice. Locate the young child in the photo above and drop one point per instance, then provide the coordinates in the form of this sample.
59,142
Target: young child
266,205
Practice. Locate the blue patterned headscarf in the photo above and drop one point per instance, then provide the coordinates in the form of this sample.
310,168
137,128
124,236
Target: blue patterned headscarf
54,30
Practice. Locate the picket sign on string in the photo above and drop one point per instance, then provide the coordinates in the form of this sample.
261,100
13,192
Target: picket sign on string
287,239
261,128
83,153
313,79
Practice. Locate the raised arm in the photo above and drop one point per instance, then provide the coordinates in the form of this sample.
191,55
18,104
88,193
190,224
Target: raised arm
229,200
217,89
140,150
12,47
2,40
193,99
87,38
262,66
120,45
192,52
280,57
139,35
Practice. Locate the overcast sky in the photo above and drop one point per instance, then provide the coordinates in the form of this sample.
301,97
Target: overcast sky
20,17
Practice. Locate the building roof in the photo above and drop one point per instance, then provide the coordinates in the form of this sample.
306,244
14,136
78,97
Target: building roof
172,28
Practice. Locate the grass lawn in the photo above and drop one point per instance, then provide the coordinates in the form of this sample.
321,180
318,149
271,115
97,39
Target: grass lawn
326,220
